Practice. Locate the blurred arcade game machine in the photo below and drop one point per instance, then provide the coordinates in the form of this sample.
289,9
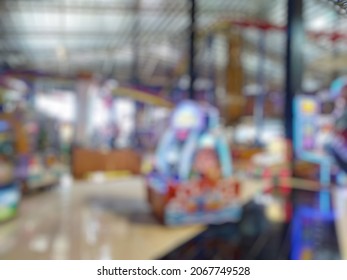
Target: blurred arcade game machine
52,121
38,164
306,118
10,191
40,167
313,132
17,111
192,177
313,235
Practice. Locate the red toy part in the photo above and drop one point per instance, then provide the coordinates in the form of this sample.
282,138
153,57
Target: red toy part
189,191
205,183
288,211
172,190
237,188
269,190
267,173
284,181
285,173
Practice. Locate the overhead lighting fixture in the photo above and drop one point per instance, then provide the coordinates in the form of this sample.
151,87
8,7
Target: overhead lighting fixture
319,23
150,3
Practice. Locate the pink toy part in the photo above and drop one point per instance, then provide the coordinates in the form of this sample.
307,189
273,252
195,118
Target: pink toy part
188,192
267,173
182,134
285,173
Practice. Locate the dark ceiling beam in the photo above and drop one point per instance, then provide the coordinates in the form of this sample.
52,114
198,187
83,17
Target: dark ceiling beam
294,62
192,47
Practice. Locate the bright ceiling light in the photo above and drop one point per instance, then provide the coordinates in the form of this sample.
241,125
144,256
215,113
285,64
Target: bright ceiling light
319,23
61,53
151,3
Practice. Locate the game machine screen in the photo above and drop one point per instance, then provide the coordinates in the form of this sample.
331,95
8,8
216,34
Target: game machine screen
308,143
307,117
9,201
192,180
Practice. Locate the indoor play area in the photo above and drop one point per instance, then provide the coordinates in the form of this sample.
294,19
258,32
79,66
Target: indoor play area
194,130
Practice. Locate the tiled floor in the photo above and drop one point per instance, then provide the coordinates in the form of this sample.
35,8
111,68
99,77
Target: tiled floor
340,203
106,220
109,220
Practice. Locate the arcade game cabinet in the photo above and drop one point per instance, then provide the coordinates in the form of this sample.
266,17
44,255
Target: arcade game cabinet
38,166
9,189
192,177
307,111
314,235
313,136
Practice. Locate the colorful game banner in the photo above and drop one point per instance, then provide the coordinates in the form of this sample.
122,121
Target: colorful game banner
9,200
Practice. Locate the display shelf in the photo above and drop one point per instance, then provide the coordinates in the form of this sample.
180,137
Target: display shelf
35,173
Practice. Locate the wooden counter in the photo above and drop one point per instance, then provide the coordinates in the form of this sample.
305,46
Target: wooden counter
85,161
